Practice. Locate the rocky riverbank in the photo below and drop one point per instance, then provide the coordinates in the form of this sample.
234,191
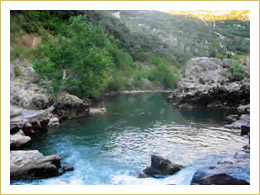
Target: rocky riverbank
32,112
208,83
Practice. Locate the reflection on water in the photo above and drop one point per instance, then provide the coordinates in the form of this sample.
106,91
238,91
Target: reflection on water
114,148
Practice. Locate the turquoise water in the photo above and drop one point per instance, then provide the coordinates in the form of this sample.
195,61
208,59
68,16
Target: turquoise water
113,148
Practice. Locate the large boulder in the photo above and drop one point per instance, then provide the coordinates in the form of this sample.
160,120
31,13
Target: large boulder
28,95
207,82
161,166
70,106
219,179
32,164
31,122
19,140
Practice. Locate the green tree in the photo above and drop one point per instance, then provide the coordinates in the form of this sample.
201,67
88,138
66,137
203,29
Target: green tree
78,62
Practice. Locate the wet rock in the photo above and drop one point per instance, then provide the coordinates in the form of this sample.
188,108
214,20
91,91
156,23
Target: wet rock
232,118
219,179
69,106
93,111
161,166
247,148
245,130
32,164
206,82
244,120
67,168
142,175
54,122
19,140
32,122
226,161
244,109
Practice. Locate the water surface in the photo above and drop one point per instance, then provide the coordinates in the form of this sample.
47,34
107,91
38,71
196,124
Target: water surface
113,148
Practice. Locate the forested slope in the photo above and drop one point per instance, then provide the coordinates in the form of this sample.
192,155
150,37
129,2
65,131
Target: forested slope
88,53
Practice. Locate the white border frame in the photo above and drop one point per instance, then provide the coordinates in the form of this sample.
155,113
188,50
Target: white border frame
6,6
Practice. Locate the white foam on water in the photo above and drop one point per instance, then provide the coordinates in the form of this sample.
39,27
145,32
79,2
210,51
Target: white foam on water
183,177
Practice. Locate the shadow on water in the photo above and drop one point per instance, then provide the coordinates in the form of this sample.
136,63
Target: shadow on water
113,148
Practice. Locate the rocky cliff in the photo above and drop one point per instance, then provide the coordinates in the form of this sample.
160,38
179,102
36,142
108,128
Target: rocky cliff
209,82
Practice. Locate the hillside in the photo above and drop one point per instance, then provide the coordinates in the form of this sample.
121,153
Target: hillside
145,50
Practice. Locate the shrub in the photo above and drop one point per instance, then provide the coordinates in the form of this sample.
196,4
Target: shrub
118,82
123,60
165,74
17,71
237,72
78,63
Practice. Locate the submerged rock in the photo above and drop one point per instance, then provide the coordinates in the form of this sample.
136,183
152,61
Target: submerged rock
161,166
31,164
93,111
67,168
219,179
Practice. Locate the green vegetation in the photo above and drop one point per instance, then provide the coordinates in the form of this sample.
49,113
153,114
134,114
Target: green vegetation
165,74
79,63
17,71
237,72
88,53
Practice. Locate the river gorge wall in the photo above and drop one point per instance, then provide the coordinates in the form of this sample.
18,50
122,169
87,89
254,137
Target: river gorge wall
209,83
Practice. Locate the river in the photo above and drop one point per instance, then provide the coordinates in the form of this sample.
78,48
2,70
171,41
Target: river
113,148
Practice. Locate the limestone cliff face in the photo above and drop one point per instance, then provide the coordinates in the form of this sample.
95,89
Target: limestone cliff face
207,82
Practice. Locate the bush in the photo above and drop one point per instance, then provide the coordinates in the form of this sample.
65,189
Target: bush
78,63
20,52
123,60
237,72
17,71
118,82
165,74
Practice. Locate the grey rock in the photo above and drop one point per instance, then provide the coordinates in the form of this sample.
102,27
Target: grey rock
161,166
206,83
67,168
244,120
219,179
244,109
29,95
21,69
30,121
69,106
32,164
232,118
247,148
18,140
54,122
